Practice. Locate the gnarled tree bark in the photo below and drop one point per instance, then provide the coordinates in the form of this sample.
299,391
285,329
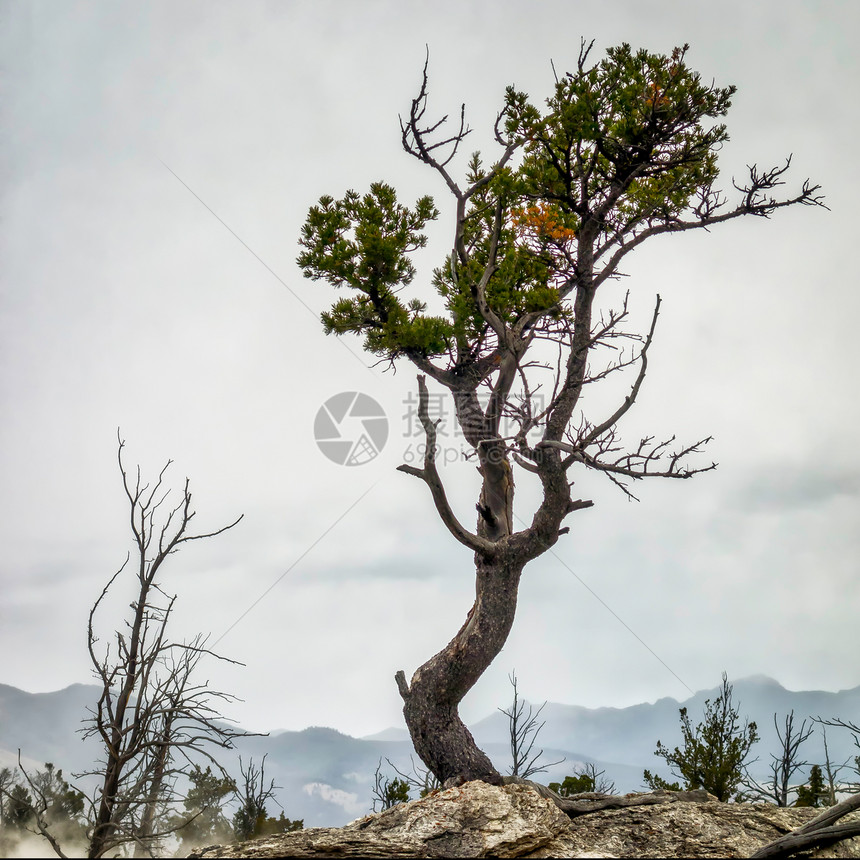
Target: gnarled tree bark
431,700
440,737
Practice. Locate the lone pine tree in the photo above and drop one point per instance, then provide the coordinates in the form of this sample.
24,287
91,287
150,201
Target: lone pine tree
714,755
624,150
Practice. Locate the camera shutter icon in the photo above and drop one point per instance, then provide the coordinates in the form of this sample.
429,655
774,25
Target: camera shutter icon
351,428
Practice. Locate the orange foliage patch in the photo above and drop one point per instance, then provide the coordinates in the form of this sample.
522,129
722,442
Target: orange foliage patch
541,221
655,98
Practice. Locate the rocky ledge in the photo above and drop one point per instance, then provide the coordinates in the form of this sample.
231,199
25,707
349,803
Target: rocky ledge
481,820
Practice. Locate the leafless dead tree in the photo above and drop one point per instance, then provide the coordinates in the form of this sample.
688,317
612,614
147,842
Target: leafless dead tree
784,766
830,770
389,791
523,728
823,830
252,797
602,785
421,779
152,717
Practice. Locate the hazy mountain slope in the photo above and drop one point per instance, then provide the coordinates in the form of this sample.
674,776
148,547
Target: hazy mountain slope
44,726
326,777
629,735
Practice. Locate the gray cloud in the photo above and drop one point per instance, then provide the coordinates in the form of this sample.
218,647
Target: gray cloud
125,302
791,487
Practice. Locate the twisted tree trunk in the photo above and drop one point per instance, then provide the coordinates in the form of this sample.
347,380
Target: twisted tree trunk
440,737
431,700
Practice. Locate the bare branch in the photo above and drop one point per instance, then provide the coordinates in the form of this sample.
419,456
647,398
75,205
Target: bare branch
636,464
430,475
784,765
523,729
421,778
622,410
415,137
149,713
480,291
755,201
817,833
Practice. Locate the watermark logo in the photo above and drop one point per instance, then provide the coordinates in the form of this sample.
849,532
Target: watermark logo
351,428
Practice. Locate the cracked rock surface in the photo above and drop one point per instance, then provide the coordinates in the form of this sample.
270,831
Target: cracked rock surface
481,820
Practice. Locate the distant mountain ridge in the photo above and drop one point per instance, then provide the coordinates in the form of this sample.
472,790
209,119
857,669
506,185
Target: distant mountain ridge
630,734
326,776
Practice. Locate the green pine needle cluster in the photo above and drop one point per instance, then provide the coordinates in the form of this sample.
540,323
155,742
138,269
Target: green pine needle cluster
639,123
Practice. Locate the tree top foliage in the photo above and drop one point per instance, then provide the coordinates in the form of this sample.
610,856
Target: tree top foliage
624,148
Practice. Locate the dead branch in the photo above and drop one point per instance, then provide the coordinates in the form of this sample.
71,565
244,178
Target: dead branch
415,137
523,728
150,716
590,801
784,765
755,201
430,475
616,416
819,832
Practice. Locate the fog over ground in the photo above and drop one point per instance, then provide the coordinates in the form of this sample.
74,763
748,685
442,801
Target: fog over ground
158,162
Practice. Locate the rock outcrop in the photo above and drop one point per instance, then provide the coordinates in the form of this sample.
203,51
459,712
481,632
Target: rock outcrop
480,820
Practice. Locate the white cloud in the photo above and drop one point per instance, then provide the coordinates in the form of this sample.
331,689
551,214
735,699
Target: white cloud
345,799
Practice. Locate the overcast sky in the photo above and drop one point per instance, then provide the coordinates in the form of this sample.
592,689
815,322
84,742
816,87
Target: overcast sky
127,303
